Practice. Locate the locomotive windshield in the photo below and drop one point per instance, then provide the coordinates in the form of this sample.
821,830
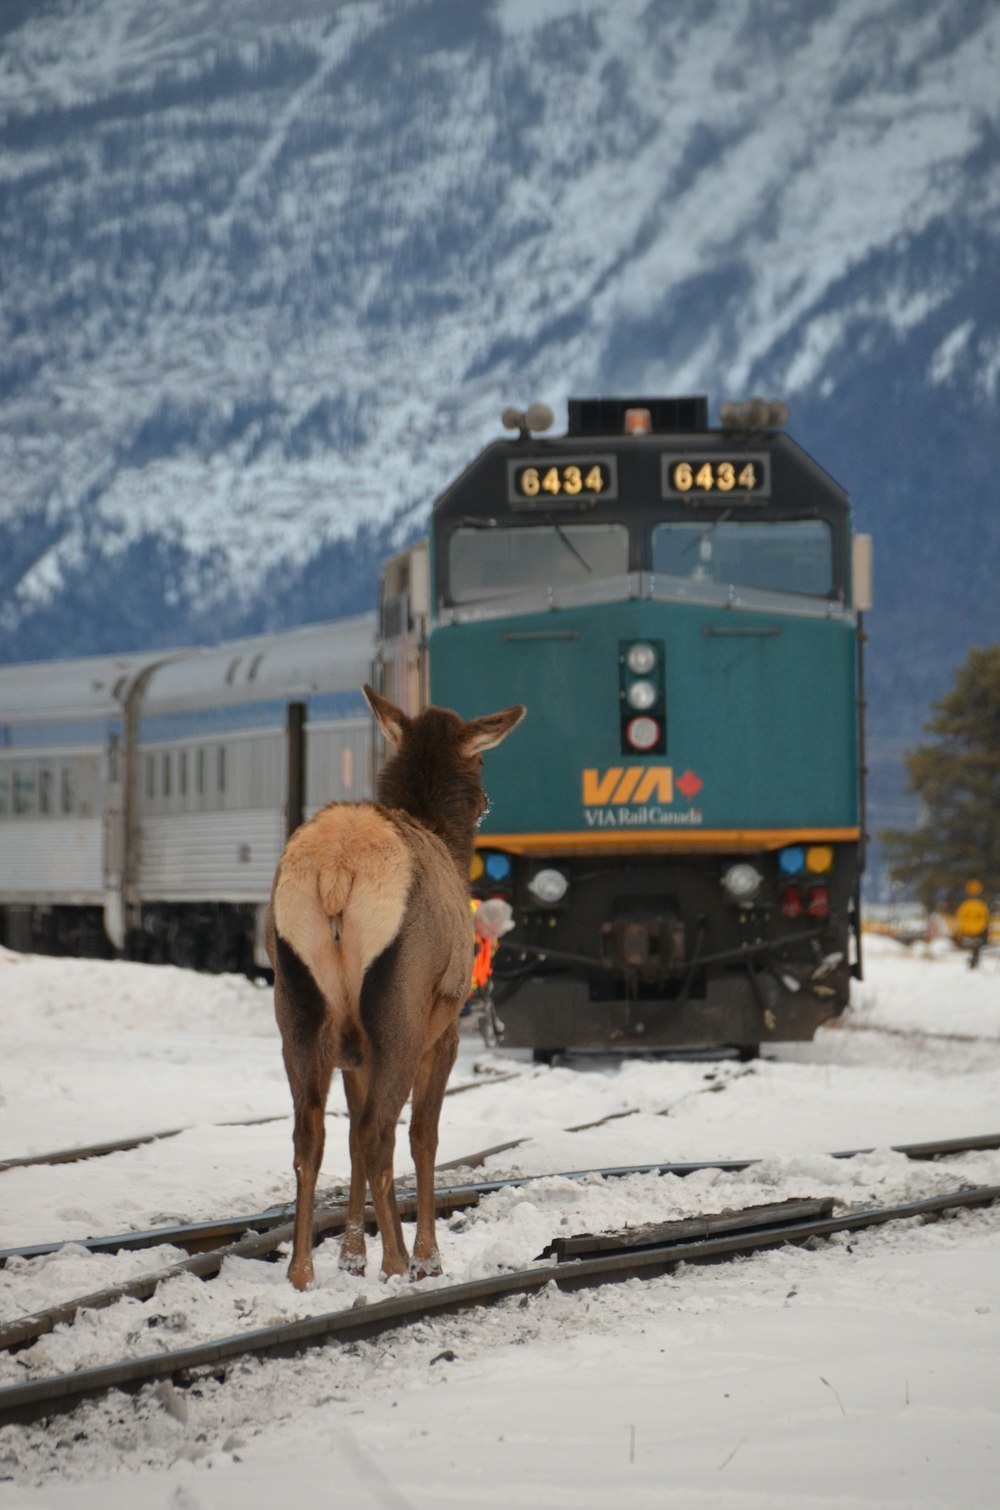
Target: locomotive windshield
488,561
780,555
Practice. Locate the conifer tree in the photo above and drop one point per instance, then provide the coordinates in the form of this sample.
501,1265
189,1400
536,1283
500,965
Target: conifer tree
957,779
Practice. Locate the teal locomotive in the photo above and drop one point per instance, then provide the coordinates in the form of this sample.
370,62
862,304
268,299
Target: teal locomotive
679,828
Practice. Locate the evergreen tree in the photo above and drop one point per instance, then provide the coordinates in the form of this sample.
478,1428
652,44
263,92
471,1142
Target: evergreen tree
957,779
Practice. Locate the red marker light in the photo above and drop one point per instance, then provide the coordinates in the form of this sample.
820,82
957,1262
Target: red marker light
791,902
819,902
638,422
642,733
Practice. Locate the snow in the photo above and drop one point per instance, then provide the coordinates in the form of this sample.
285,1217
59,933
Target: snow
865,1373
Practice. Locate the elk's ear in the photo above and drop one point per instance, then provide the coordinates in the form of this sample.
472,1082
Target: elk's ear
483,733
391,720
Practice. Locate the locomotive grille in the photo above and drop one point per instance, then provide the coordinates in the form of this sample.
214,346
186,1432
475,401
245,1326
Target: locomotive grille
606,416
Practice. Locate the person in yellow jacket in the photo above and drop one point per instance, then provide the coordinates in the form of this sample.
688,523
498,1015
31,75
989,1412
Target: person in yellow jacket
972,922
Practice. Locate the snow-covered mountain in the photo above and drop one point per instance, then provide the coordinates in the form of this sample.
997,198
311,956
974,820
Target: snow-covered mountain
269,270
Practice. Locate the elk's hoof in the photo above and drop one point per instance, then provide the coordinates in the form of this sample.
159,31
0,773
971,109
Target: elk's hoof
425,1268
300,1275
391,1268
352,1263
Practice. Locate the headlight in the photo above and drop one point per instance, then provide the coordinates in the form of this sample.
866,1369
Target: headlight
548,886
640,659
742,881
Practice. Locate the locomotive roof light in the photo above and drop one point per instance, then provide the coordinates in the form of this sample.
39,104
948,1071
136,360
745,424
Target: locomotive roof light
642,733
536,418
742,881
548,886
638,422
754,414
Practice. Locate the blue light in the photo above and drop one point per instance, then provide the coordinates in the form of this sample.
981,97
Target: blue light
792,861
498,867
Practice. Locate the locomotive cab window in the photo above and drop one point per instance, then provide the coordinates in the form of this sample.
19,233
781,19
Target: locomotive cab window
491,562
778,555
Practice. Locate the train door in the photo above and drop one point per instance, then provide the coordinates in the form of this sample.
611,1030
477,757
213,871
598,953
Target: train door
401,670
113,846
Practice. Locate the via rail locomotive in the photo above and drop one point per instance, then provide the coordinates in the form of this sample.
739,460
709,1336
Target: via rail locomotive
679,828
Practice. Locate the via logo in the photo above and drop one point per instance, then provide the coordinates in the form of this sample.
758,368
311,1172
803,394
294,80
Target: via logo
633,783
619,785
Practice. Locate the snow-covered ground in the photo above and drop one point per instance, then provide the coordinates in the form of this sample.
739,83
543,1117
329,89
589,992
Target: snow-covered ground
865,1373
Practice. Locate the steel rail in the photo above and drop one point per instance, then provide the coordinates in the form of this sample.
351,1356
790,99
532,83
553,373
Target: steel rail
86,1151
942,1148
90,1150
202,1236
27,1329
57,1394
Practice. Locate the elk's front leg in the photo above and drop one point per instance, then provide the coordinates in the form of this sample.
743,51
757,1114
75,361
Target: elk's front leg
428,1094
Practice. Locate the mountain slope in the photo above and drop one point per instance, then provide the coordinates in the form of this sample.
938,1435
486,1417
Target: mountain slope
271,271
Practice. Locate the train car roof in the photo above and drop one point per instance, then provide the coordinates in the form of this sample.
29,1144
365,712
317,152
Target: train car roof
297,663
90,687
318,658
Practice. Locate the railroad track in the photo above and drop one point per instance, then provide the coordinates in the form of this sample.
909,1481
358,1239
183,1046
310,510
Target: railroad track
747,1233
124,1145
203,1237
581,1261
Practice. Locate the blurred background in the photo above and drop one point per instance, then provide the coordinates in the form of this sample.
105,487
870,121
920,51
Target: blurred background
270,270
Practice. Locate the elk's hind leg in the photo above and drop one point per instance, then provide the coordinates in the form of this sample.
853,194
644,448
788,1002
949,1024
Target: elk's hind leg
309,1064
352,1245
309,1096
389,1086
428,1093
393,1011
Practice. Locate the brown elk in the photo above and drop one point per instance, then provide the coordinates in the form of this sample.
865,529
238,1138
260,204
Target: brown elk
370,935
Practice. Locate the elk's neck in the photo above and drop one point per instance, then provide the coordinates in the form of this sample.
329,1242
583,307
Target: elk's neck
434,809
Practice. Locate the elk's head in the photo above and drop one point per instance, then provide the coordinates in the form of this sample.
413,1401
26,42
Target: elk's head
434,772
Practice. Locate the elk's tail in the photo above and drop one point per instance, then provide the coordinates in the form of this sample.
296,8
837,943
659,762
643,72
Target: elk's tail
339,898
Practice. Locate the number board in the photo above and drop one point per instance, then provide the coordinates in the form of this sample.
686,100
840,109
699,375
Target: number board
565,482
744,478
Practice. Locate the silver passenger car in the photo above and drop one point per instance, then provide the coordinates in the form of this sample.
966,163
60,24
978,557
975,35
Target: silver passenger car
145,799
